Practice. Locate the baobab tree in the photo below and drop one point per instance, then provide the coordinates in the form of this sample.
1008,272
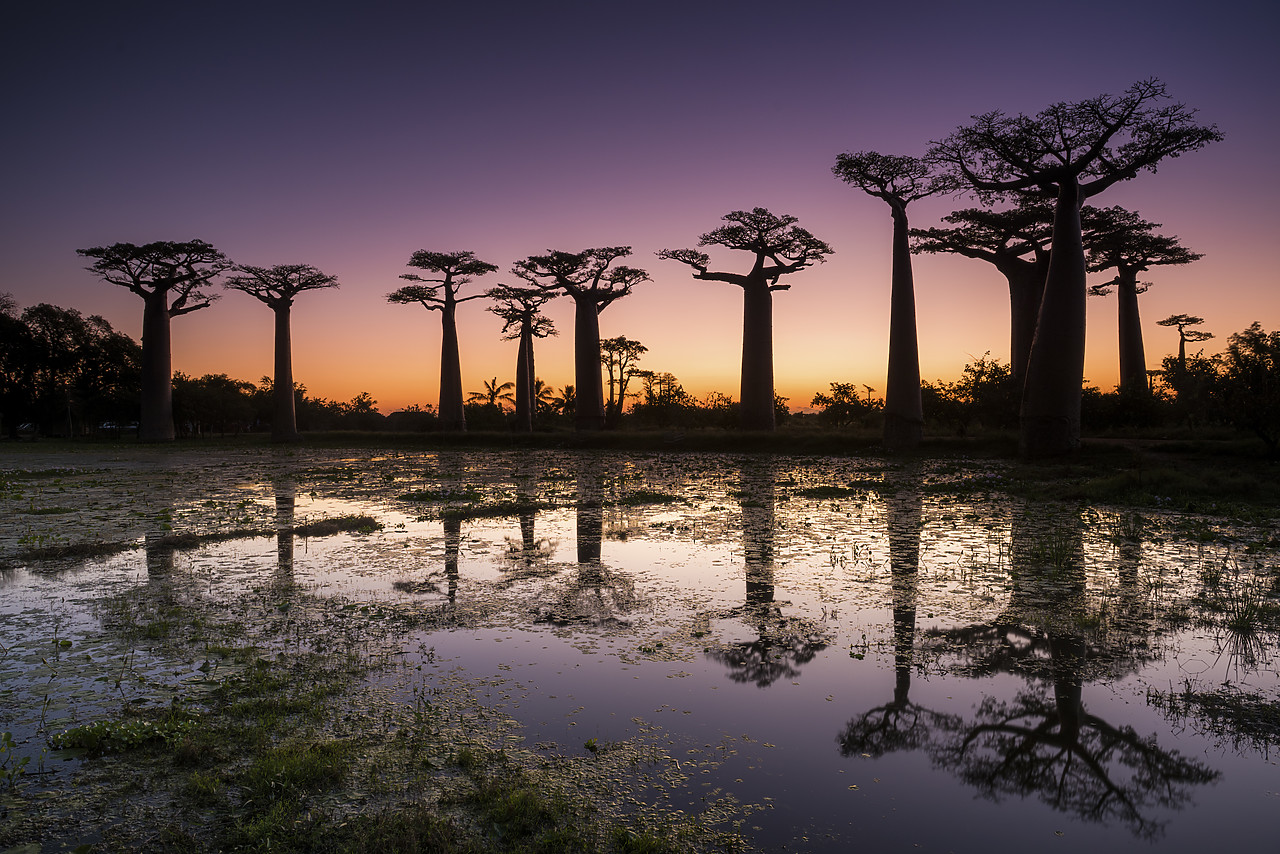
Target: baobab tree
1185,334
1003,239
1070,152
898,180
521,311
619,356
593,281
453,270
169,277
276,287
770,238
1126,243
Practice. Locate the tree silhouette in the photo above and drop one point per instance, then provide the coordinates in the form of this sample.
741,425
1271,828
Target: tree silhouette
276,287
1251,368
169,277
1124,242
1002,239
520,309
898,180
770,238
1185,334
494,394
1072,152
781,643
595,284
619,356
454,270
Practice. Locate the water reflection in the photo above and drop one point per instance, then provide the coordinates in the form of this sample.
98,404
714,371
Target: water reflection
781,643
1042,741
286,495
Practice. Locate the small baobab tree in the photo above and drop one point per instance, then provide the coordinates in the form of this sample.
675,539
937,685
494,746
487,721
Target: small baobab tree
276,287
1124,242
439,293
170,278
594,282
898,180
780,248
1069,152
1184,322
521,311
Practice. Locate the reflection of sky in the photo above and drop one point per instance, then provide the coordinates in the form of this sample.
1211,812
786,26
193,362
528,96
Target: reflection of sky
571,680
348,137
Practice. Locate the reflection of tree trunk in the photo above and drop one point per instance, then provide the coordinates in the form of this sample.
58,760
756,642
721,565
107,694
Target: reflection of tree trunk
1055,368
756,407
157,370
904,521
757,490
590,518
286,497
284,422
589,406
452,414
159,551
528,542
452,542
903,410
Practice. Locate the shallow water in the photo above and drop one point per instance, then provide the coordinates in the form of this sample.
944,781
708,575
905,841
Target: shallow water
851,651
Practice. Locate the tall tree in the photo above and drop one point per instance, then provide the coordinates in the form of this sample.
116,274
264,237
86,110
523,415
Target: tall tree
593,281
1070,152
1128,244
898,180
521,311
1185,334
770,238
619,356
440,293
1003,239
495,394
169,277
277,287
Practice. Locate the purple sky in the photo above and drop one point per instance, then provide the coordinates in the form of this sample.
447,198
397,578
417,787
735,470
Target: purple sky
348,137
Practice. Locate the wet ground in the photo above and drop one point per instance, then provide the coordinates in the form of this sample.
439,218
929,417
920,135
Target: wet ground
815,652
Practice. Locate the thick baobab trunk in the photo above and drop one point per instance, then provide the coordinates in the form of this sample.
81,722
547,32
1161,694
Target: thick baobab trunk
588,413
1055,368
903,409
157,370
524,381
1026,288
757,356
284,423
452,414
1133,361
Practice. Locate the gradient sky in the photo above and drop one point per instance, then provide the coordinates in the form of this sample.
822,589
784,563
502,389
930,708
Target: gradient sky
347,137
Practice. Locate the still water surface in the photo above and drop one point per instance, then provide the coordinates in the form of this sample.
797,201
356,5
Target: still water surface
852,652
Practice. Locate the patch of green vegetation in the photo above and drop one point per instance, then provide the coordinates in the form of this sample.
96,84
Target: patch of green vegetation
442,495
493,510
829,491
117,736
336,525
72,550
637,497
47,511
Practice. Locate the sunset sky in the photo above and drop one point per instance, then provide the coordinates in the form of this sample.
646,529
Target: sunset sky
348,136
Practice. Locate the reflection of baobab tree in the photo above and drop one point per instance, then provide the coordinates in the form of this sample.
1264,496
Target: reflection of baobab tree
529,556
286,492
899,724
1044,741
452,535
593,593
782,643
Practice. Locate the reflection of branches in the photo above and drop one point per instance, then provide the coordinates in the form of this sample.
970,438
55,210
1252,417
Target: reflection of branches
781,645
1076,762
594,595
900,725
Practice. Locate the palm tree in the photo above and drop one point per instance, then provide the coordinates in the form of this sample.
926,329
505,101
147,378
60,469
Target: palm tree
543,396
493,395
566,401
